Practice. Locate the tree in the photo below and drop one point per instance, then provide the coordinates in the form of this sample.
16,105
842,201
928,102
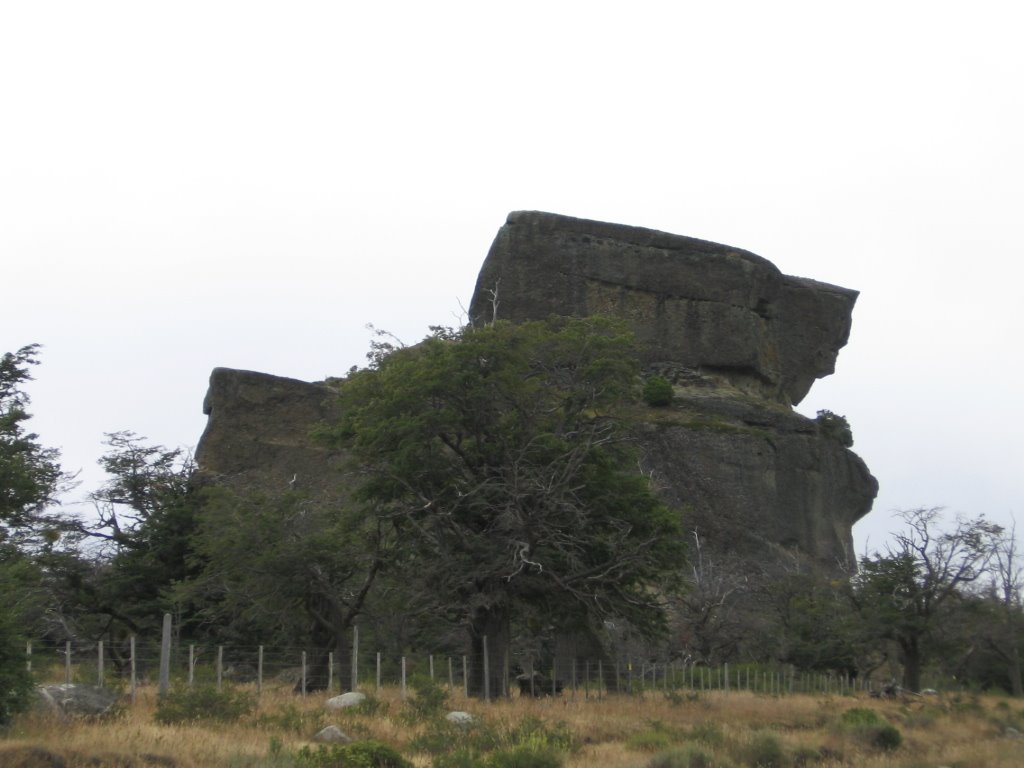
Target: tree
902,593
496,453
30,475
1008,587
289,567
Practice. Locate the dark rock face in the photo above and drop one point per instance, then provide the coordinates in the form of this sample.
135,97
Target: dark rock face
739,340
703,305
257,435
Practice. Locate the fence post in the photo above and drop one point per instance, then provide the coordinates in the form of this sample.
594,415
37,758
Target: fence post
330,672
220,667
403,679
259,670
355,658
465,677
131,648
99,664
487,672
430,664
451,675
574,679
554,676
67,662
378,670
303,674
165,656
28,657
191,664
600,679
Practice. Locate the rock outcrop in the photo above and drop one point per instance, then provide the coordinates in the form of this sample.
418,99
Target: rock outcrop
702,305
740,341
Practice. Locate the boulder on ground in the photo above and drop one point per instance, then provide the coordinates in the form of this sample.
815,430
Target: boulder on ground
346,700
332,734
70,699
460,718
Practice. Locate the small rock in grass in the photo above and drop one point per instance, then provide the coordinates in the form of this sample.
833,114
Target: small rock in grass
332,734
346,700
460,718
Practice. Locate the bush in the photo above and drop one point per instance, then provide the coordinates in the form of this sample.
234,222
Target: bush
358,754
684,757
526,756
836,427
203,704
658,391
764,751
428,701
15,680
868,728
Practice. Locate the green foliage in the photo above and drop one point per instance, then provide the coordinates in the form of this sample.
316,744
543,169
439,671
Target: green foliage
203,703
293,719
658,391
496,454
15,681
457,745
764,750
30,475
526,756
870,729
835,427
359,754
428,700
684,757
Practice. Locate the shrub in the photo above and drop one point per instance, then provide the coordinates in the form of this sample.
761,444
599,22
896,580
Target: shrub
764,751
683,757
868,727
836,427
860,716
358,754
203,704
649,741
428,700
658,391
526,756
15,680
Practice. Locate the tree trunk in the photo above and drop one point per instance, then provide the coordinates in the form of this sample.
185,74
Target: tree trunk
911,664
491,623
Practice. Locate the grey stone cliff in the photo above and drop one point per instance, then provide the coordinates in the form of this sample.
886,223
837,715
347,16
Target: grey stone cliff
739,340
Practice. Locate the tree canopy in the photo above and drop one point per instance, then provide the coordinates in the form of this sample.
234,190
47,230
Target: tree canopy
498,453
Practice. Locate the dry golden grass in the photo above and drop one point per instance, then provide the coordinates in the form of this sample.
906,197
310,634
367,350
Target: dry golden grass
614,732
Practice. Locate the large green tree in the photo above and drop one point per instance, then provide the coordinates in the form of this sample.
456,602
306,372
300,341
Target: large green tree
903,593
499,454
30,475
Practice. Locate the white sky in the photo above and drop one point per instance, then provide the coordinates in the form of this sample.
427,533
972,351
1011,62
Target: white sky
247,184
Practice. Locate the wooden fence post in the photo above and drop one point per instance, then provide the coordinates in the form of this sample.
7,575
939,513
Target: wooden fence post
165,656
378,670
131,649
28,657
451,675
330,672
67,662
99,664
220,667
355,658
259,670
303,674
487,672
465,677
403,678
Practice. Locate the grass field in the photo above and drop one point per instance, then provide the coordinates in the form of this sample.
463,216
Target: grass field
657,729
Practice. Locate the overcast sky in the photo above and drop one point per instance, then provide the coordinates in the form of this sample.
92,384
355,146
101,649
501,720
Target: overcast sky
248,184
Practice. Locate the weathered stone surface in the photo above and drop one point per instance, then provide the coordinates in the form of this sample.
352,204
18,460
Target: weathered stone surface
332,734
346,700
85,700
707,306
739,340
258,433
460,718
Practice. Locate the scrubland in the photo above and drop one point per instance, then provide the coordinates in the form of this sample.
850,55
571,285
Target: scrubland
656,730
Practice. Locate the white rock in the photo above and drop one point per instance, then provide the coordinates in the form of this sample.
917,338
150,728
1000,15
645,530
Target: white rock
346,700
460,718
332,734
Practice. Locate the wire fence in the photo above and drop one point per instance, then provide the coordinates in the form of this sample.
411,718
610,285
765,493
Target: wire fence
138,661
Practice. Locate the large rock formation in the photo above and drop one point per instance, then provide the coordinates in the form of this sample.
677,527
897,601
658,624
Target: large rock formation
740,341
